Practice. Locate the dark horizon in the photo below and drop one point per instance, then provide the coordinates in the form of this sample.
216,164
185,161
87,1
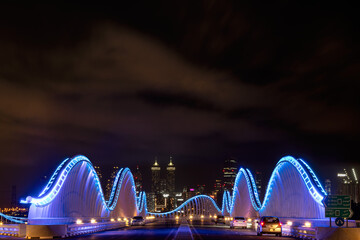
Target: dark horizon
200,81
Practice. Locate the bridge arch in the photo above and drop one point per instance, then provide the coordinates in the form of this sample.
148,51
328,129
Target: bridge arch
245,199
74,191
195,206
293,191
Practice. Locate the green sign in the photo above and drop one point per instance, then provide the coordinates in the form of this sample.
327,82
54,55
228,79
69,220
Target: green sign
337,201
333,212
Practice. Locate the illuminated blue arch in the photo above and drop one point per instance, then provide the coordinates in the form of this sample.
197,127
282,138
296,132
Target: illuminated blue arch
197,204
244,200
142,204
14,219
122,201
293,191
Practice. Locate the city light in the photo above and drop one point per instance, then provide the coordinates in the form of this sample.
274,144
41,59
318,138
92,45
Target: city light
249,219
112,220
289,223
307,224
354,173
191,217
202,216
79,221
93,220
177,217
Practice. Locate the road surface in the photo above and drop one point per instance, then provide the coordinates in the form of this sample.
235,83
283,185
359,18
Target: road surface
167,230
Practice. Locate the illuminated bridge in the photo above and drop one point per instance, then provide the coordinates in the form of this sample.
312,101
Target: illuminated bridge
74,192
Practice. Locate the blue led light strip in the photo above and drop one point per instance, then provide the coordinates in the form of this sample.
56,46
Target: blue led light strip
53,177
313,175
254,188
13,219
142,202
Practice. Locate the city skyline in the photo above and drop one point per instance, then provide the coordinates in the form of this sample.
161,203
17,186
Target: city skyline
107,174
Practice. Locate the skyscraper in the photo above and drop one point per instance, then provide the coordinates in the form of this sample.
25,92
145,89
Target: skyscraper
348,184
230,170
170,178
138,180
110,182
259,184
155,177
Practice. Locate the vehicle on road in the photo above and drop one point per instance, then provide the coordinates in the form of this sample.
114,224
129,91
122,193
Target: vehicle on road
220,219
238,222
137,221
270,225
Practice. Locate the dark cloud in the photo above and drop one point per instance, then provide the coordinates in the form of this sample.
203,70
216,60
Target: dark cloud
200,80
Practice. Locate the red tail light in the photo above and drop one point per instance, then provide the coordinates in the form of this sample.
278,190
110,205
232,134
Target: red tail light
280,224
244,221
262,223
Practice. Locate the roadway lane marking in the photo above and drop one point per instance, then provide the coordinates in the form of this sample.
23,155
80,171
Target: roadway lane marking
171,233
198,236
183,233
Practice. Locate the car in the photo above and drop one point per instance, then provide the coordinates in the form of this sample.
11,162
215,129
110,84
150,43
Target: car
137,220
220,219
238,222
269,224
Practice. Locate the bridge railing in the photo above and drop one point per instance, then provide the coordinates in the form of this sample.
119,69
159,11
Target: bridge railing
77,229
15,230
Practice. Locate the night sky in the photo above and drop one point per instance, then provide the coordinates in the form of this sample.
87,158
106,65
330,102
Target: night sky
201,81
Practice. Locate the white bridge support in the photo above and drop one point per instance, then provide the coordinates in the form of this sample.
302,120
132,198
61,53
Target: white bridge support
293,191
74,192
244,200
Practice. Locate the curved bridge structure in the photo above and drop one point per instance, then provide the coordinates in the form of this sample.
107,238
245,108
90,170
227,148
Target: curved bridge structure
200,205
293,191
74,191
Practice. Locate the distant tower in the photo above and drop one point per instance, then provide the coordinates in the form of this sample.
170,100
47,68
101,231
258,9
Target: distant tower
110,182
170,177
155,176
259,186
138,180
328,186
230,171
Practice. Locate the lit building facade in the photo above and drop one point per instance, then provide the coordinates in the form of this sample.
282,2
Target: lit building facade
109,183
348,184
138,180
259,184
217,192
230,170
155,177
170,178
